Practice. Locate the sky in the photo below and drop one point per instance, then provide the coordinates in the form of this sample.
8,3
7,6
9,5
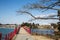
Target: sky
8,14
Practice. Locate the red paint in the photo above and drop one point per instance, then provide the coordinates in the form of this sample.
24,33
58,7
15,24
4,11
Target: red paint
0,36
27,29
6,37
12,34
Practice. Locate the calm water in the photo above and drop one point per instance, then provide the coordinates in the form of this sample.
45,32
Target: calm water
5,31
43,31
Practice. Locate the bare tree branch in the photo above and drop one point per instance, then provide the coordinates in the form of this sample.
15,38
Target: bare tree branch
49,17
38,6
26,13
44,19
42,7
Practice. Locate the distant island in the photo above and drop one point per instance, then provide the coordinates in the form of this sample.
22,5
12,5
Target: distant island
8,25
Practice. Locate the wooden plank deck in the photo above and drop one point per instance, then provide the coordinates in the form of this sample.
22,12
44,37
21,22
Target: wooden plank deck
23,35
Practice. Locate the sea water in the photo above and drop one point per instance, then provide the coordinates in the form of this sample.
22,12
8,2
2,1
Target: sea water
5,31
43,31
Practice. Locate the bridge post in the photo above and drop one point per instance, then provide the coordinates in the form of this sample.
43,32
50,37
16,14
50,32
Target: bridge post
0,36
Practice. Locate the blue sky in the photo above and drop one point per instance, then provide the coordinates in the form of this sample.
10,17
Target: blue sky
9,15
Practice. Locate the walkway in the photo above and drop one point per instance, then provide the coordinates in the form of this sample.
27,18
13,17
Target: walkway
23,35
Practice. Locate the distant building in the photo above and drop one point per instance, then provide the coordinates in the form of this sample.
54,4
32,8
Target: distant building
45,26
8,25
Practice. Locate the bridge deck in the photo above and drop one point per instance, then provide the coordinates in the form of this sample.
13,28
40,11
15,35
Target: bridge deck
23,35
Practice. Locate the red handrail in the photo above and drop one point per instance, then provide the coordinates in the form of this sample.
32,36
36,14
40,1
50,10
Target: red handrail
0,36
27,29
12,34
18,30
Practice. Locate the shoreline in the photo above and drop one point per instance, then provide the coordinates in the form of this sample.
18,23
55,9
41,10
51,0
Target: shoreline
7,28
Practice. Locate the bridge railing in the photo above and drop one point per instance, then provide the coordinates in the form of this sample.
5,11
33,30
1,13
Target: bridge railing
10,35
0,36
27,29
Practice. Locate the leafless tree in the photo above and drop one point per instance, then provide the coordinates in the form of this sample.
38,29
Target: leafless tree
41,5
34,18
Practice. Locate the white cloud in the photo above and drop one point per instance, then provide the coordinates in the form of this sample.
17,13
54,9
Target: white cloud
46,15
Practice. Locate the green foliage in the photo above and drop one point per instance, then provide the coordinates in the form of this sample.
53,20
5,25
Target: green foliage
30,25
